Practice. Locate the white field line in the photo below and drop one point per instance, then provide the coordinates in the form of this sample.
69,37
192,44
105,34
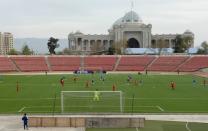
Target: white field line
39,107
22,109
187,127
164,98
29,99
137,129
25,99
160,108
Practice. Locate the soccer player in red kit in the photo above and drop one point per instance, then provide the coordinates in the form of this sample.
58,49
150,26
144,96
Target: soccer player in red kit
172,85
62,82
114,87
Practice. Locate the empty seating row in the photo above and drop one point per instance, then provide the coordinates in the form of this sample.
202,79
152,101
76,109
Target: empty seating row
64,63
195,63
108,63
167,63
100,62
6,65
30,64
134,63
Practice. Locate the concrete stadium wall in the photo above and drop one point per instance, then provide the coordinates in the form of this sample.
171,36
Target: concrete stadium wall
115,122
56,122
94,122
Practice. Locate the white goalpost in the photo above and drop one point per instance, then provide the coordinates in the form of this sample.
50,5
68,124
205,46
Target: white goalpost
83,101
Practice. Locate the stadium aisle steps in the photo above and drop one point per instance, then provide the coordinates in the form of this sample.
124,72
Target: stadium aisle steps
134,63
6,65
167,63
117,63
48,63
179,66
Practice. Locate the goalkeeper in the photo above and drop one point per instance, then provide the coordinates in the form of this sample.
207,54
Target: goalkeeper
96,95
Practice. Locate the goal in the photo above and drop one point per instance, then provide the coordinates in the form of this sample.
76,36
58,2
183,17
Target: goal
84,102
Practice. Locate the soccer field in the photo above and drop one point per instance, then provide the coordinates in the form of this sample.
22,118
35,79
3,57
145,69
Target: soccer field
41,94
163,126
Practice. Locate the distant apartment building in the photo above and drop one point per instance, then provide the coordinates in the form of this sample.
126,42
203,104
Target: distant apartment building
6,42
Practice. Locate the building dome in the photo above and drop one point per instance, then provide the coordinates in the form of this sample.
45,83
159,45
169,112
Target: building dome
188,32
78,33
118,22
132,17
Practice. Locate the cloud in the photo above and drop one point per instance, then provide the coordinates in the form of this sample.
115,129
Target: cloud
43,18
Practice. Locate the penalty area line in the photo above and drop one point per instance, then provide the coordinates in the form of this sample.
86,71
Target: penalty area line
22,109
137,129
187,126
160,108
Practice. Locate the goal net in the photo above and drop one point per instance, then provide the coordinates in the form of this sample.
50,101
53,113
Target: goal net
91,101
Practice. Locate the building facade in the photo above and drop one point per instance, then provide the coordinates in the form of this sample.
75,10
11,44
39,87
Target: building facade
6,42
128,31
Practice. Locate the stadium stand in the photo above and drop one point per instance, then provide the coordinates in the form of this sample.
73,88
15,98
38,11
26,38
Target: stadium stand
64,63
97,62
134,63
6,65
195,63
30,63
109,63
167,63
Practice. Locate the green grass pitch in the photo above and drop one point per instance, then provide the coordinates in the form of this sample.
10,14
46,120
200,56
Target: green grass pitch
154,95
163,126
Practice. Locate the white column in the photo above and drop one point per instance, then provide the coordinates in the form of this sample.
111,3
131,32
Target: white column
82,45
170,44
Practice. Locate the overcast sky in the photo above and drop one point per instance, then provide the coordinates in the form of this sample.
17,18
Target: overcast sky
45,18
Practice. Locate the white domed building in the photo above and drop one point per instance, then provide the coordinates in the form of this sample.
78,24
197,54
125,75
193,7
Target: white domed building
128,30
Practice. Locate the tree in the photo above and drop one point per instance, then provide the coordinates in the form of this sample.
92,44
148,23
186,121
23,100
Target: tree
52,45
111,50
178,45
13,52
204,45
204,48
26,50
67,51
59,53
182,43
120,46
161,44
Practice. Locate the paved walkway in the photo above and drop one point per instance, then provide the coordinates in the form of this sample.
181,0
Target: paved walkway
14,123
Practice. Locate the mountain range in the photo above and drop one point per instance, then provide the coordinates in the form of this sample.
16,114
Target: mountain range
38,45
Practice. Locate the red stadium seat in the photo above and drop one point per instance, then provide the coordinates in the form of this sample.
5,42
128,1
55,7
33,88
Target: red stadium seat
167,63
108,63
134,63
195,63
100,62
64,63
6,65
30,63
